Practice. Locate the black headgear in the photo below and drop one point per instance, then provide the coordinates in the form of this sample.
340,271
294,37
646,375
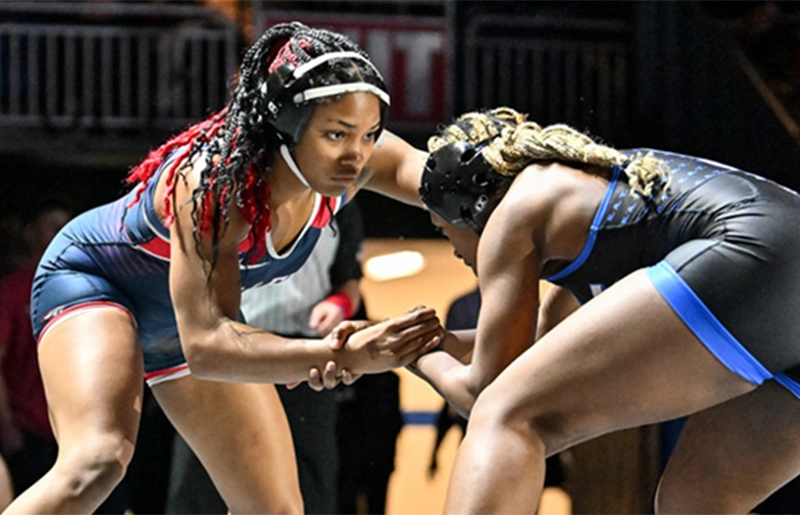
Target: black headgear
460,186
288,96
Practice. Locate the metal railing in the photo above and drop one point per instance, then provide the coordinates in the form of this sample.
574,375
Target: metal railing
113,75
574,72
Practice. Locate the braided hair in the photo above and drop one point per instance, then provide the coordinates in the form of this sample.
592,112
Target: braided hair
238,143
514,143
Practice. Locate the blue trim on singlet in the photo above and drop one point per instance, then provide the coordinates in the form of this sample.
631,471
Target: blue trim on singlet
702,322
789,383
598,220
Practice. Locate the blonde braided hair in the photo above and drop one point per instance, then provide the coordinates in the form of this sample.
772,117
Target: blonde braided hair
514,142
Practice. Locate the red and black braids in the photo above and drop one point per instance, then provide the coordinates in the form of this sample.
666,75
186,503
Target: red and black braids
184,143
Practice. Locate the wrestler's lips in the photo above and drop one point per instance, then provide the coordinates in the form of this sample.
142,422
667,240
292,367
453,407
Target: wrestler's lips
346,179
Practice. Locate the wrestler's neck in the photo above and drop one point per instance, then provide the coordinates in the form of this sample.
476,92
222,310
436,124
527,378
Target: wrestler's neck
286,188
290,202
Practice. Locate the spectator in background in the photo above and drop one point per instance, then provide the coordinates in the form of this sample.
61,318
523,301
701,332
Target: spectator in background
26,439
309,304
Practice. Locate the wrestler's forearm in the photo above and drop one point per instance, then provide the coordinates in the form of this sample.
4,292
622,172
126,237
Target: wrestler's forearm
449,377
242,353
232,351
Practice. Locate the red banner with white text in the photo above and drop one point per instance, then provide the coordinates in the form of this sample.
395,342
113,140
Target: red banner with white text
410,52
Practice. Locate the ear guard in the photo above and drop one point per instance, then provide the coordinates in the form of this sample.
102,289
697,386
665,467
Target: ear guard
287,95
460,186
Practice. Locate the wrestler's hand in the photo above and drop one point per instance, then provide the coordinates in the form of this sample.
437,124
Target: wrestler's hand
336,339
340,334
330,378
378,347
347,327
389,344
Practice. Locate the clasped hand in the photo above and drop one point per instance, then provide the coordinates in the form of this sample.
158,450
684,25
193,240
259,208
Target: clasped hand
377,347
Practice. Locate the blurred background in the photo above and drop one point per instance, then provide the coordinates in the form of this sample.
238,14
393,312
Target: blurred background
87,88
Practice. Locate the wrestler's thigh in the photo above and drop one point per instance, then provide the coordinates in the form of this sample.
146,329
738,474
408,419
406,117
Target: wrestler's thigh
731,457
240,433
92,371
622,360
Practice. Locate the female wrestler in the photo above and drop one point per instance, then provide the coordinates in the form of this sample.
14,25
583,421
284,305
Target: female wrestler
150,284
681,278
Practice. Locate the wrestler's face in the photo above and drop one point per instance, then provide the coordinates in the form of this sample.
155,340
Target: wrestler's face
463,239
338,141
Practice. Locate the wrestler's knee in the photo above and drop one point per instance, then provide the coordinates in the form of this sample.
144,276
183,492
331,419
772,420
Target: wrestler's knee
95,465
495,409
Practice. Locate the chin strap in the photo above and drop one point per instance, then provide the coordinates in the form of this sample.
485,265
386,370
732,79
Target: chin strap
287,157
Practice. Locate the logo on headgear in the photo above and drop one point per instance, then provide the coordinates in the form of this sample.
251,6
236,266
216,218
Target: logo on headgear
481,203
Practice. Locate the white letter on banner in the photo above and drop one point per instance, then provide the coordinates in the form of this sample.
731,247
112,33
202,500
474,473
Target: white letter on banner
380,52
418,48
